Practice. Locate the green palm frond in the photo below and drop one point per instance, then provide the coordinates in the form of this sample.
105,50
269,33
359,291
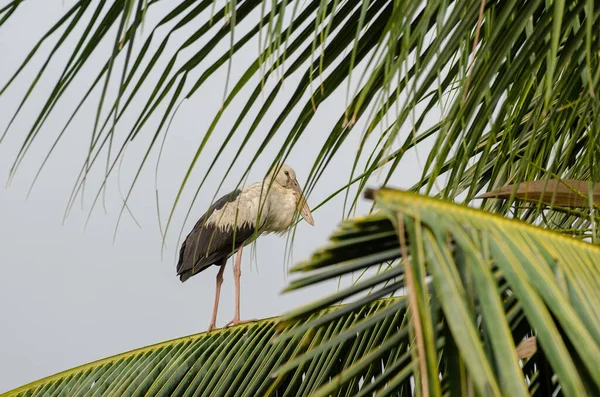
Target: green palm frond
237,361
496,92
478,283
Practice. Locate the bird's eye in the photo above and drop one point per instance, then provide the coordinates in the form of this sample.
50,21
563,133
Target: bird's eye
287,173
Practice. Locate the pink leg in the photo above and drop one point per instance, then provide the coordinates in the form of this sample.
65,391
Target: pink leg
213,321
237,273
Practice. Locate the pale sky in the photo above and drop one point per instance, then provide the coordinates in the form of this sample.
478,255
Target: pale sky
69,296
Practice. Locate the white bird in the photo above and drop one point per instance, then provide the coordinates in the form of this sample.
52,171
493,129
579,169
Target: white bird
231,223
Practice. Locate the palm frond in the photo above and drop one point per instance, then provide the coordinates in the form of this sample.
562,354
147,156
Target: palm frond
237,361
495,92
559,193
478,283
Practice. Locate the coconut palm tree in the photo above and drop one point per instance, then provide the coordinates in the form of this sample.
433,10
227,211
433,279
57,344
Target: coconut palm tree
501,299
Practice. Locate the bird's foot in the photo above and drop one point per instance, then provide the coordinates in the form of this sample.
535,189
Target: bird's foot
233,323
211,327
237,321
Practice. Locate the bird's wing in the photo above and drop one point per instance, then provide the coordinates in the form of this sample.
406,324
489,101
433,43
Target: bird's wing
227,224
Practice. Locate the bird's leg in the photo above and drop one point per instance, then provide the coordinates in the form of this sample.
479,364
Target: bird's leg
213,321
237,273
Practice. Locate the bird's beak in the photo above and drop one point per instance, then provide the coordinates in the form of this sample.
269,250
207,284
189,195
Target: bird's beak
303,205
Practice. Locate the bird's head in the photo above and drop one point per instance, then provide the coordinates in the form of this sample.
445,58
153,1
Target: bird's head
285,177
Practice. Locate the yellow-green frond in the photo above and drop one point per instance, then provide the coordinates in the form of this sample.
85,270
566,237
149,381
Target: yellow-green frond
237,361
476,285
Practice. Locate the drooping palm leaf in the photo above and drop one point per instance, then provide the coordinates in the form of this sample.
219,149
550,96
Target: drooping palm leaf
560,193
480,283
238,361
505,89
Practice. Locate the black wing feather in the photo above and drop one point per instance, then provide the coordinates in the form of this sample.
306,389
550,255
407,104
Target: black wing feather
207,245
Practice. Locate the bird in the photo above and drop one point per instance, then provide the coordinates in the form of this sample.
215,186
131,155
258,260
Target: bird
236,220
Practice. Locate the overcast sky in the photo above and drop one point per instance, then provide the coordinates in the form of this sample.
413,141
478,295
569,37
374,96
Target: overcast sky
69,296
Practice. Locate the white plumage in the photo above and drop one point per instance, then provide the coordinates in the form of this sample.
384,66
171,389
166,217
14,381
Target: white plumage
235,220
275,216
